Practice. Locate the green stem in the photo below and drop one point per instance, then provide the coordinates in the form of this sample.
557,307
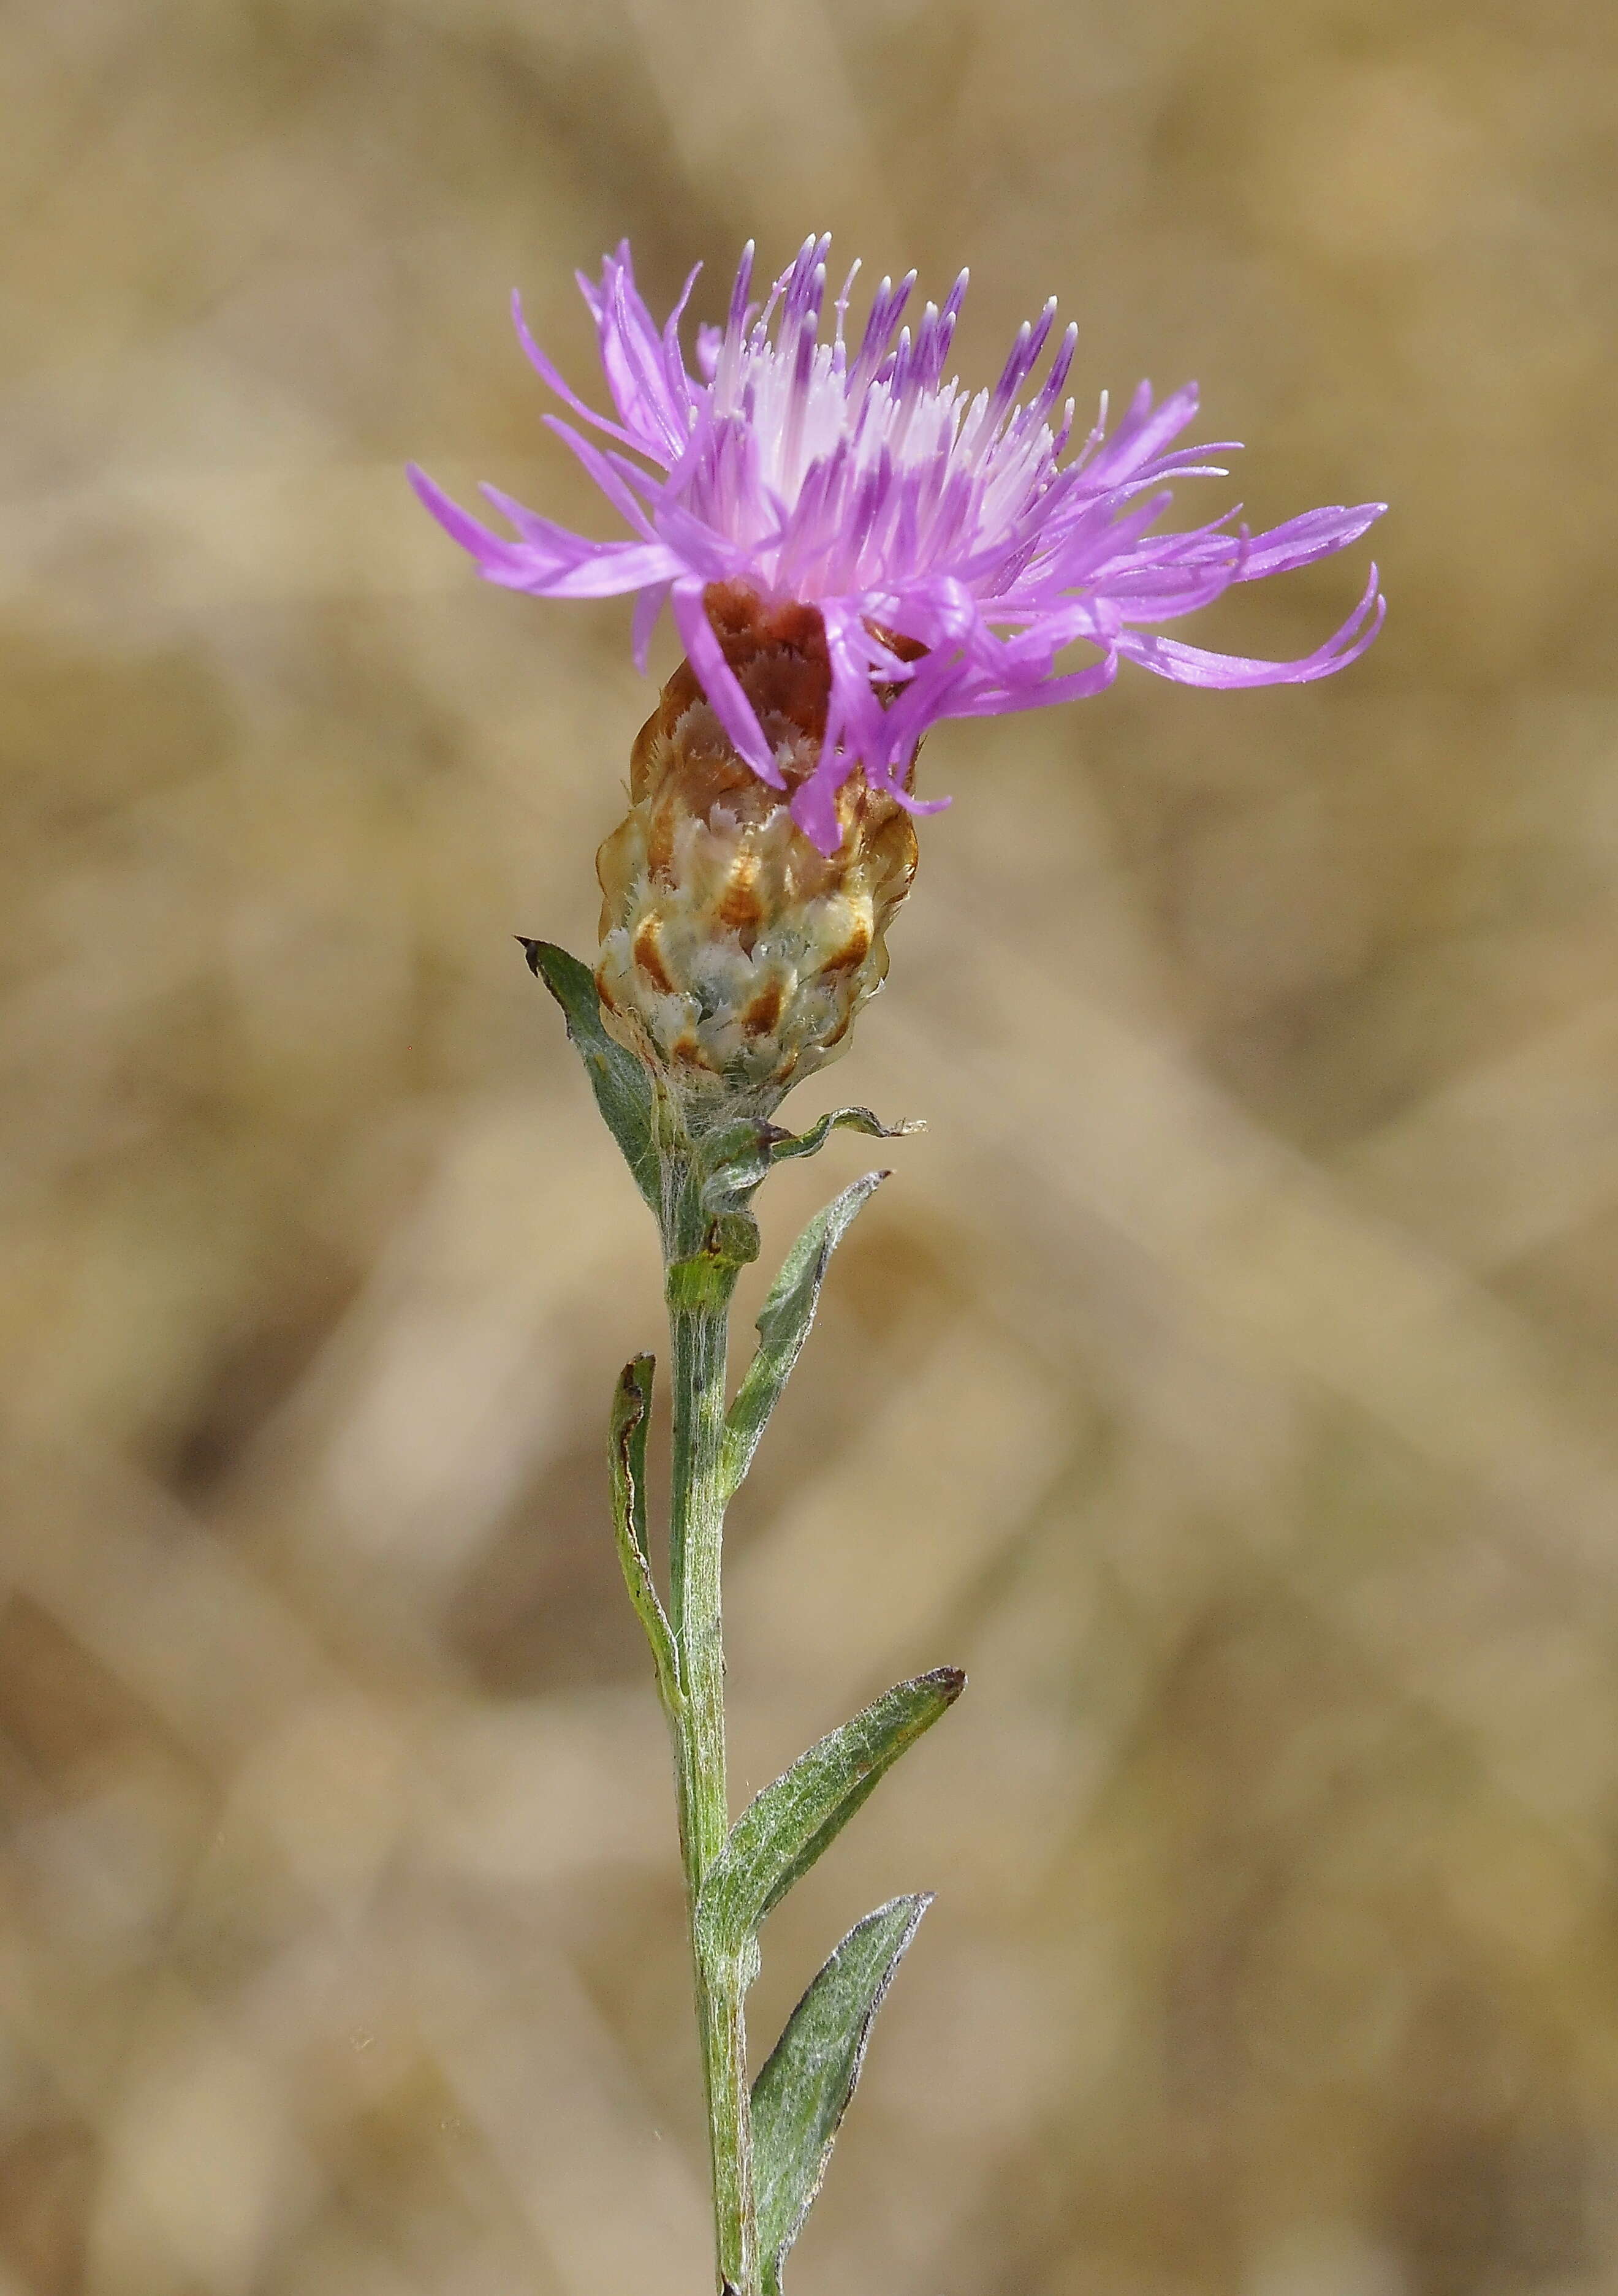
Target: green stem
698,1313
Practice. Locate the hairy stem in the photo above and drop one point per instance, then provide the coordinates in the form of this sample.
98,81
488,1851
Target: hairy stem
698,1313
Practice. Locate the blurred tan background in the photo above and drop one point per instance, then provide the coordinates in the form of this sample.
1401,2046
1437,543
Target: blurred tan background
1227,1377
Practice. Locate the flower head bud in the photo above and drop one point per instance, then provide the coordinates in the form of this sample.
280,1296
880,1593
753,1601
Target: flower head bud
735,952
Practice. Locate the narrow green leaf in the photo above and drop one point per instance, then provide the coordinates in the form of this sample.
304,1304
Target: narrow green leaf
802,2092
840,1119
783,1324
622,1085
626,1443
630,1423
783,1829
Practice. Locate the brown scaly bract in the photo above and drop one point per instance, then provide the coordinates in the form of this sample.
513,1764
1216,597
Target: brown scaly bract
733,953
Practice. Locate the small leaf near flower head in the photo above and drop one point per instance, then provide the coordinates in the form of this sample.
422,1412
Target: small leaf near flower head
709,1229
623,1089
711,1224
803,2091
783,1324
733,1162
785,1829
845,1120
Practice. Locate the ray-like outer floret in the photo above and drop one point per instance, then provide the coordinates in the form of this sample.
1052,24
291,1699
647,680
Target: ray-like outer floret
864,484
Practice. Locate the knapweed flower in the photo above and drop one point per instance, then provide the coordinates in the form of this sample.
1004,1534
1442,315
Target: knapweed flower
951,551
853,549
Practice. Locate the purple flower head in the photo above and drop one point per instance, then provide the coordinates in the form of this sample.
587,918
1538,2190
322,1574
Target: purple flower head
952,553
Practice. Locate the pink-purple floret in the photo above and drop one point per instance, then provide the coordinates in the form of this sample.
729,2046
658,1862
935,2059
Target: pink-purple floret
856,478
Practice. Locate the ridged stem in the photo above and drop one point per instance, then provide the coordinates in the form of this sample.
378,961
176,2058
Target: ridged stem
699,1315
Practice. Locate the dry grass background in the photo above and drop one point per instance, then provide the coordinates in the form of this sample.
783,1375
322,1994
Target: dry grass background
1228,1376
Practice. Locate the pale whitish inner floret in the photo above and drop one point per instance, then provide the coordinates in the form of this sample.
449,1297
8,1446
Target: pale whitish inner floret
879,422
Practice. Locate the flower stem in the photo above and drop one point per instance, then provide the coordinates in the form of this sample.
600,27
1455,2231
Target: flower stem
698,1313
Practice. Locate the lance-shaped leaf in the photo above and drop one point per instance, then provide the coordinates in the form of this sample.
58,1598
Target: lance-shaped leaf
783,1831
626,1443
839,1120
783,1324
622,1086
802,2095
